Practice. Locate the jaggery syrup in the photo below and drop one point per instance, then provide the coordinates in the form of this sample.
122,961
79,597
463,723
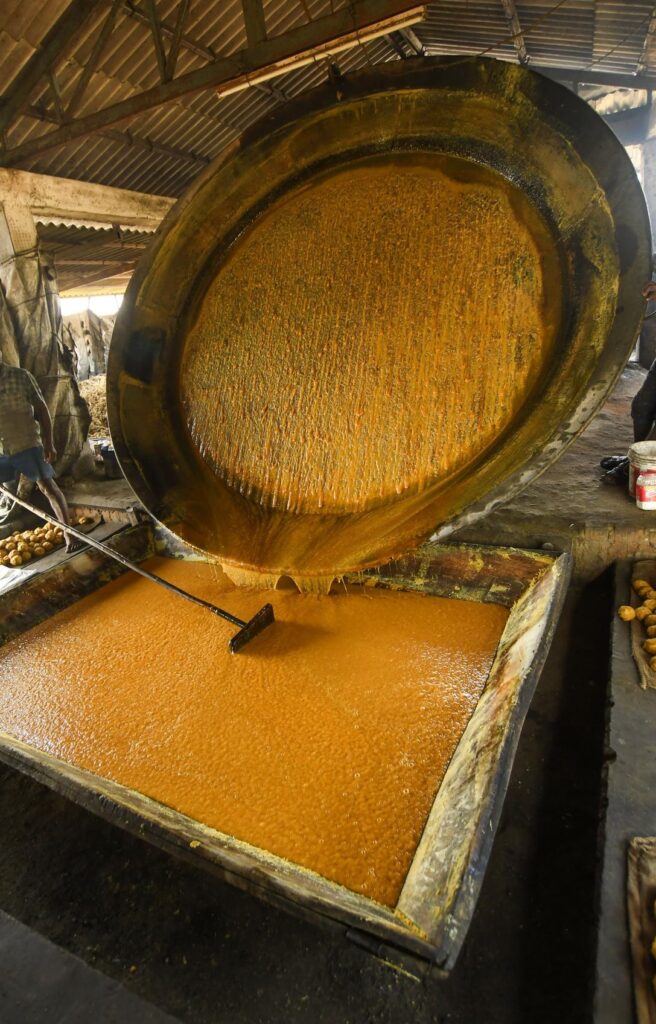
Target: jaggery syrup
324,742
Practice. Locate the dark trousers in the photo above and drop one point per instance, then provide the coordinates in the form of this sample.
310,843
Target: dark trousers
643,407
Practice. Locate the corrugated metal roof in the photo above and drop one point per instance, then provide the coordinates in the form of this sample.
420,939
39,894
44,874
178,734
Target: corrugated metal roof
163,150
87,255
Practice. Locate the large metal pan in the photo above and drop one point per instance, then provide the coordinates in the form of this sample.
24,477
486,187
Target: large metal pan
382,312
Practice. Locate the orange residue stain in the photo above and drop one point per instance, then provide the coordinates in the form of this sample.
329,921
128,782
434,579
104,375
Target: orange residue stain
324,742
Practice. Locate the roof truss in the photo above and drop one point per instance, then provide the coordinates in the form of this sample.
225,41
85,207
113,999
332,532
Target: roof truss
262,59
512,17
57,43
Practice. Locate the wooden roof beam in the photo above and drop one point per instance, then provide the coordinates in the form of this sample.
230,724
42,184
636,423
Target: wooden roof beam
332,33
254,21
199,49
92,63
110,263
512,17
57,42
176,41
129,139
413,41
81,202
120,274
134,11
396,40
643,61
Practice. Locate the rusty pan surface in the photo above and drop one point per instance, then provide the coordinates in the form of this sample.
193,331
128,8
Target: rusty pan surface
382,312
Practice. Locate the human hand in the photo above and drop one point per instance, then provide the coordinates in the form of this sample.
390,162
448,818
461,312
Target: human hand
649,291
50,453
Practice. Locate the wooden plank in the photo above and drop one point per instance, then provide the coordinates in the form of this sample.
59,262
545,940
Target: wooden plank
443,883
361,20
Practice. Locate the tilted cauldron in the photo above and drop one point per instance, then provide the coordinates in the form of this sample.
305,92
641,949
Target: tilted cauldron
382,312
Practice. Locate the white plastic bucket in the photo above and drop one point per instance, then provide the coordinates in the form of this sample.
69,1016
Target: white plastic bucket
642,455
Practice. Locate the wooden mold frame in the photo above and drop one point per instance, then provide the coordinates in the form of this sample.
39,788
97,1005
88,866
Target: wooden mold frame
438,898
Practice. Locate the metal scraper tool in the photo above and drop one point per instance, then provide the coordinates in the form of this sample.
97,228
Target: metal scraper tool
247,631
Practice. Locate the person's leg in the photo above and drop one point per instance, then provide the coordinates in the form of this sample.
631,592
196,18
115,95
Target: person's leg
643,407
59,506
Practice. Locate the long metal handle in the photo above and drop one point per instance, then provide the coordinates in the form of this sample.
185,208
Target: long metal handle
124,561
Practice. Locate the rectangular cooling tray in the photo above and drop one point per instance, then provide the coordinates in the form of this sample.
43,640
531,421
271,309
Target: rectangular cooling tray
438,897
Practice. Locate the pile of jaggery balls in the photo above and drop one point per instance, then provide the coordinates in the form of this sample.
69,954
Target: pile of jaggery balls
21,548
646,614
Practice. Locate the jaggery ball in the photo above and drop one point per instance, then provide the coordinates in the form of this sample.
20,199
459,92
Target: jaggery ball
626,612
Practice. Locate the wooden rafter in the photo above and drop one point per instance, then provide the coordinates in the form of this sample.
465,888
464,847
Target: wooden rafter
56,95
512,17
332,33
157,38
133,10
176,41
413,41
254,21
643,62
58,41
129,139
395,40
95,55
83,279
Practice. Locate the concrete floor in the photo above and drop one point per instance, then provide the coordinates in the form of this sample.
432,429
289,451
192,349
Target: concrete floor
568,505
203,952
